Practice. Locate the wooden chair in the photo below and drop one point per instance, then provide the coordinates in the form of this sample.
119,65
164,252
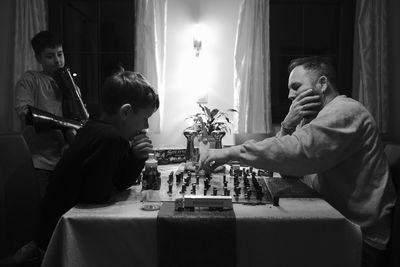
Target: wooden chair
393,154
19,194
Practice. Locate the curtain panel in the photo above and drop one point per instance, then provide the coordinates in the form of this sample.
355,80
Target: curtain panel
151,16
252,93
30,18
370,73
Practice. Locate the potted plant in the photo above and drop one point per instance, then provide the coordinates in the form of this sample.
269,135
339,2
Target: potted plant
210,123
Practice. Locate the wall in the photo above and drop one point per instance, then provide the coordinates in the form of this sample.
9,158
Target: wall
221,18
187,75
7,18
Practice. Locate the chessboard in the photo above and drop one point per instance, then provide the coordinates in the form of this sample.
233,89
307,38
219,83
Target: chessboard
246,185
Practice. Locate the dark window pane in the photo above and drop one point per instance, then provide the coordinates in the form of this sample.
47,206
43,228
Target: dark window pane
98,36
321,24
117,26
301,28
286,28
111,61
80,26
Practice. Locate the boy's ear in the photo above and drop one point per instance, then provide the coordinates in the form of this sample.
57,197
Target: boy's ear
124,111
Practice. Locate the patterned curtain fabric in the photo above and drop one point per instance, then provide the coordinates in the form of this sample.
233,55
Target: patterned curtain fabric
30,18
370,73
151,28
252,94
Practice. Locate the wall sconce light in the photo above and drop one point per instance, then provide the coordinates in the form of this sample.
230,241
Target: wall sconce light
197,39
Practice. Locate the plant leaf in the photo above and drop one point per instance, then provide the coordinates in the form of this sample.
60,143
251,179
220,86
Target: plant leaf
214,112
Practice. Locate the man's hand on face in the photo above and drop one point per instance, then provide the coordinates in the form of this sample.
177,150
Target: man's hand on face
141,146
305,105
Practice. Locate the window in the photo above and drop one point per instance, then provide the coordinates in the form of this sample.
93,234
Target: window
98,36
300,28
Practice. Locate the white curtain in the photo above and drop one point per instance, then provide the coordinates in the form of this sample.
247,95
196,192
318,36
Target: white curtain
30,18
150,48
252,94
370,73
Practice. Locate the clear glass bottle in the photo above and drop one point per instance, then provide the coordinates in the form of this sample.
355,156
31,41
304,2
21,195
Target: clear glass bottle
151,176
151,184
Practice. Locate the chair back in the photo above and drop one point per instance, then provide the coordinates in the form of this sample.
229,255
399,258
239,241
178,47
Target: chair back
392,152
19,193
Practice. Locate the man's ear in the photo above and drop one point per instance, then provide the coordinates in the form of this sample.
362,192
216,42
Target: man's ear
37,57
124,111
323,83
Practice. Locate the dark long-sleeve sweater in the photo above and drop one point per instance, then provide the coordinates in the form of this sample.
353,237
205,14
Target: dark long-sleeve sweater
97,163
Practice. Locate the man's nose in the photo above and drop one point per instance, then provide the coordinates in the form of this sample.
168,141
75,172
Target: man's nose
292,95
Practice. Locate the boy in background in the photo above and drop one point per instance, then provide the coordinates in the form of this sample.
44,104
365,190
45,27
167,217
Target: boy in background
108,154
39,89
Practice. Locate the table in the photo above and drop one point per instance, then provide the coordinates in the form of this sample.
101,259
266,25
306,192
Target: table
299,232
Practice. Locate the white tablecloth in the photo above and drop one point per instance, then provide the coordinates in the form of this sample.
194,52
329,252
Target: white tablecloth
299,232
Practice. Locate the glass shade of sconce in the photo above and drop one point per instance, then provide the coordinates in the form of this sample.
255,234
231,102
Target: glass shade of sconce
197,38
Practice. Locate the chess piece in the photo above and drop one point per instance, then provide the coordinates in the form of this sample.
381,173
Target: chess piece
275,201
193,189
169,189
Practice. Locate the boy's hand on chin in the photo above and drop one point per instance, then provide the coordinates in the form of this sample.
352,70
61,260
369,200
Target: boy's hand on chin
141,146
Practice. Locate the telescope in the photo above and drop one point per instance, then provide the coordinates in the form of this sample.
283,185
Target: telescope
43,120
75,114
73,106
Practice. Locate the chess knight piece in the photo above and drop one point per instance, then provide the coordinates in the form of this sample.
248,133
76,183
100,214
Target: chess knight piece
218,138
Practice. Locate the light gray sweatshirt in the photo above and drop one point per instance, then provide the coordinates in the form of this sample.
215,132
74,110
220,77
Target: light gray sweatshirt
342,150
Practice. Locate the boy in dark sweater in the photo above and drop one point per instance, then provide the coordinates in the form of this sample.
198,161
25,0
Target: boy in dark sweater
107,155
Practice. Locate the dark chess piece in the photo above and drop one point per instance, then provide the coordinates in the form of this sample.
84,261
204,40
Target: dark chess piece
169,189
275,201
193,189
215,191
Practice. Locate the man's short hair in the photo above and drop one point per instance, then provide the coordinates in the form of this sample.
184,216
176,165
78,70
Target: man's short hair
128,87
43,40
321,66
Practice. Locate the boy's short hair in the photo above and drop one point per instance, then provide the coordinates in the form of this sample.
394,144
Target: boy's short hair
43,40
318,64
128,87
